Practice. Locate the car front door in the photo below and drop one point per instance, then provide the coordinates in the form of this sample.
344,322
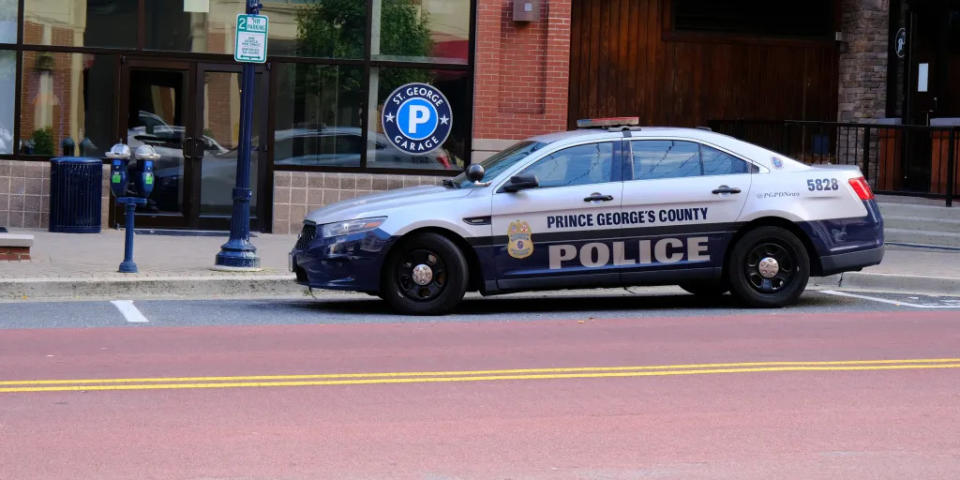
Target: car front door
688,197
556,234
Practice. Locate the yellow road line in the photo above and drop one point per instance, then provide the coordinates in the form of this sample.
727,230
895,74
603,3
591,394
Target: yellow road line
907,365
467,372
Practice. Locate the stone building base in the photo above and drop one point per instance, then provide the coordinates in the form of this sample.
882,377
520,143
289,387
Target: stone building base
296,193
25,194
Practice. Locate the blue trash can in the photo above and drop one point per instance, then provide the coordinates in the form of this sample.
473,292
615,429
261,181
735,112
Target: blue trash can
75,190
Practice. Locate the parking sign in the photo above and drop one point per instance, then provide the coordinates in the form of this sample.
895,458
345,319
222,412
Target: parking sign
251,43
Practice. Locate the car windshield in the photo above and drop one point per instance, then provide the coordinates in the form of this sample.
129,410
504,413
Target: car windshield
501,161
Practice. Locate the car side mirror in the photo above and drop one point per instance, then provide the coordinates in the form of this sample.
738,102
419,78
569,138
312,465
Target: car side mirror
475,172
521,182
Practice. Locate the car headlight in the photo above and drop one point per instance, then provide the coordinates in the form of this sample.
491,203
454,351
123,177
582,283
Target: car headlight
348,227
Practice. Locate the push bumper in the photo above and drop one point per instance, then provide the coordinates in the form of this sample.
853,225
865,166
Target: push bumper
351,262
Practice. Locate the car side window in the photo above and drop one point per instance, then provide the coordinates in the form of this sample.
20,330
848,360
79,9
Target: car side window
579,165
655,159
716,162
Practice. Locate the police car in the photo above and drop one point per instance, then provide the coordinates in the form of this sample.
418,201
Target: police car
607,205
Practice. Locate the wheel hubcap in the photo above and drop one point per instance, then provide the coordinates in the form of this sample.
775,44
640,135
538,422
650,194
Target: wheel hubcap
422,274
768,267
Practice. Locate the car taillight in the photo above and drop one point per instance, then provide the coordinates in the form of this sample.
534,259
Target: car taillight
862,188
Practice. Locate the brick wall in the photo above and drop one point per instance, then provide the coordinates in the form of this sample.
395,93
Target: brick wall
522,72
296,193
14,254
863,60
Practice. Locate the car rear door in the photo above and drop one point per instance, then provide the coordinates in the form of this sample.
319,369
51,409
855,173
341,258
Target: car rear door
554,235
688,197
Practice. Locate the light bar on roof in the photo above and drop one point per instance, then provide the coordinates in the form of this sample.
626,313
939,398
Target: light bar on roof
608,122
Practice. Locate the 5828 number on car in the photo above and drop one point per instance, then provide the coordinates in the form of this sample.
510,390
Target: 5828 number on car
821,184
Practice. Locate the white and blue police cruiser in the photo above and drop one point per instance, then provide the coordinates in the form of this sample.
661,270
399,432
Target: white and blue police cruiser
606,205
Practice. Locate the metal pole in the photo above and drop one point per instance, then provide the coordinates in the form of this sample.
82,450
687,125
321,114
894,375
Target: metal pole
128,266
951,164
866,153
238,252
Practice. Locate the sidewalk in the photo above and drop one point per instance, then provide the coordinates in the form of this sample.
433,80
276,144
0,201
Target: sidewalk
84,266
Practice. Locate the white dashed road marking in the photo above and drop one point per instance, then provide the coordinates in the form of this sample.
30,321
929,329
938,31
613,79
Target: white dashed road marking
888,301
129,311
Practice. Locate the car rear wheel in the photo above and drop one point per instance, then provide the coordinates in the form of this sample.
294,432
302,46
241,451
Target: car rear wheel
768,267
425,275
706,288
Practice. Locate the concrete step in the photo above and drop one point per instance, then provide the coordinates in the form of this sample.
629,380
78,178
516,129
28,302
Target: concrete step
921,211
921,237
922,223
905,200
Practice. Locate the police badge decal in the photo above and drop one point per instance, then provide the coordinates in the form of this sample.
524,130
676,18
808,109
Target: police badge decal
519,243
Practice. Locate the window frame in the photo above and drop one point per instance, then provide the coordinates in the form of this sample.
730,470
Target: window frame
617,170
628,165
669,33
613,164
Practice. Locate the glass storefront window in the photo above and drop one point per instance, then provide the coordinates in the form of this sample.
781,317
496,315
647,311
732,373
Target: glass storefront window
8,76
67,95
451,156
192,26
94,23
316,28
430,31
318,115
8,21
307,28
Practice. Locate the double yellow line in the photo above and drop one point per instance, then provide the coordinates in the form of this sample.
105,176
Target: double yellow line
171,383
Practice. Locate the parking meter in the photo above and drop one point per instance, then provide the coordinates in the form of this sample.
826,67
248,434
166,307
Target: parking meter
119,155
146,155
118,178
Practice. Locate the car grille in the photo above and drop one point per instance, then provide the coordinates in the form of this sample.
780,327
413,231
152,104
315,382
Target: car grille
306,236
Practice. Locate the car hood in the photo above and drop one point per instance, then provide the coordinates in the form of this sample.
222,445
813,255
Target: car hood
382,203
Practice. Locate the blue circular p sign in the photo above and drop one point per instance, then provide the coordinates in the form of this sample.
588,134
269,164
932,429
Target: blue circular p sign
416,118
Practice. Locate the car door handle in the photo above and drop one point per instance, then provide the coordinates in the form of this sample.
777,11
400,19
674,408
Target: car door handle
725,189
596,197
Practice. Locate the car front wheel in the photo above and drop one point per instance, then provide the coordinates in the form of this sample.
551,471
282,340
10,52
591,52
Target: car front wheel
425,275
768,267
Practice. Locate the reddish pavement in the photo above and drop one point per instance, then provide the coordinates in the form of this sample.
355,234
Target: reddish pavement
860,424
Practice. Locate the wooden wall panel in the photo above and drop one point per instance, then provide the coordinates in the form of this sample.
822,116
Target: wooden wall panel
623,63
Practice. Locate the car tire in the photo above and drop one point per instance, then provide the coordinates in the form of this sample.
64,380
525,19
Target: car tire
706,288
426,274
768,267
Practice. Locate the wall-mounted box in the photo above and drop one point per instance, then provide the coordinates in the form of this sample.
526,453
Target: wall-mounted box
526,10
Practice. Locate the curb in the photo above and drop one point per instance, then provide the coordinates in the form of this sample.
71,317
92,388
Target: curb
283,286
220,286
900,283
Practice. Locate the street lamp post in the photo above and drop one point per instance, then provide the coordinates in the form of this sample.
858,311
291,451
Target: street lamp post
239,253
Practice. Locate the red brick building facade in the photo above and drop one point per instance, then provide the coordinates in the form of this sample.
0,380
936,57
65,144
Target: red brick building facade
521,73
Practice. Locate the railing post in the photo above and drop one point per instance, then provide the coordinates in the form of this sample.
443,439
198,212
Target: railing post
784,139
866,153
951,164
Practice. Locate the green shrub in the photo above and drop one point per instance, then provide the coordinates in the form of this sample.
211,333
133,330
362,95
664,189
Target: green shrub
43,142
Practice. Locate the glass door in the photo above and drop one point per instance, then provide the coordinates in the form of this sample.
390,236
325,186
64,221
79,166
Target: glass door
156,110
218,121
190,113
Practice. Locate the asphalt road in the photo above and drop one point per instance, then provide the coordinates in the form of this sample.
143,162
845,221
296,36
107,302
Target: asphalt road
656,385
